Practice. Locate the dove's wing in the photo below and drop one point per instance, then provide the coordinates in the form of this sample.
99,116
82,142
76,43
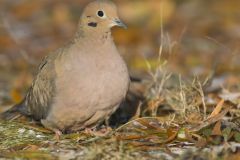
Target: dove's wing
40,95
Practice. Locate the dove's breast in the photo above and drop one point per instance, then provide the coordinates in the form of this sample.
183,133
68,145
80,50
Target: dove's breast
95,80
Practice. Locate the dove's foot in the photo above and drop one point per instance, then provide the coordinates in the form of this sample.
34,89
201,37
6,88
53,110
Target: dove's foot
98,133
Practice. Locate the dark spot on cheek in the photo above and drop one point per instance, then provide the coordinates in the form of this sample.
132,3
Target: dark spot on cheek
92,24
88,16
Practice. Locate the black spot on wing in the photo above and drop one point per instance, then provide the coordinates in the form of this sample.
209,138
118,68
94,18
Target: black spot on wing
43,63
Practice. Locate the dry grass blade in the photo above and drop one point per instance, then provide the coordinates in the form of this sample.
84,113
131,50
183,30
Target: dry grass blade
138,112
131,137
132,121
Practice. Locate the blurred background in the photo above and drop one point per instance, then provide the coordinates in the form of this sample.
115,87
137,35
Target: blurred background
197,37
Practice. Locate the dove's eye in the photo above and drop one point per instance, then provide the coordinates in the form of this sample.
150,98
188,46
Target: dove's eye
100,14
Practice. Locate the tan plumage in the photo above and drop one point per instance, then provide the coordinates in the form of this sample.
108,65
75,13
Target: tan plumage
82,84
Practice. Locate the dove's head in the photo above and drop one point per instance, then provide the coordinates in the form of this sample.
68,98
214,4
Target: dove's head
101,15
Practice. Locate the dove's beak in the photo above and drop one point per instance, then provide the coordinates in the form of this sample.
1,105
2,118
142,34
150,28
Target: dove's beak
119,23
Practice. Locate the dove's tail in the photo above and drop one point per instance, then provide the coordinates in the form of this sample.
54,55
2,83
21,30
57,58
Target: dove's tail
14,112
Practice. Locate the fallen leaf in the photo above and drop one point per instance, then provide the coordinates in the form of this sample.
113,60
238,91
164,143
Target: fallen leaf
218,109
172,134
211,120
217,129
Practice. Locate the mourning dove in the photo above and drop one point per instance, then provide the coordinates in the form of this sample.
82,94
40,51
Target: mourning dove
82,84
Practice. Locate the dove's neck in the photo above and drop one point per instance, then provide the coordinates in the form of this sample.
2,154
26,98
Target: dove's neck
92,36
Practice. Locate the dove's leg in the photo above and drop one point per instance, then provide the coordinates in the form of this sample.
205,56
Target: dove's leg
49,126
96,120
